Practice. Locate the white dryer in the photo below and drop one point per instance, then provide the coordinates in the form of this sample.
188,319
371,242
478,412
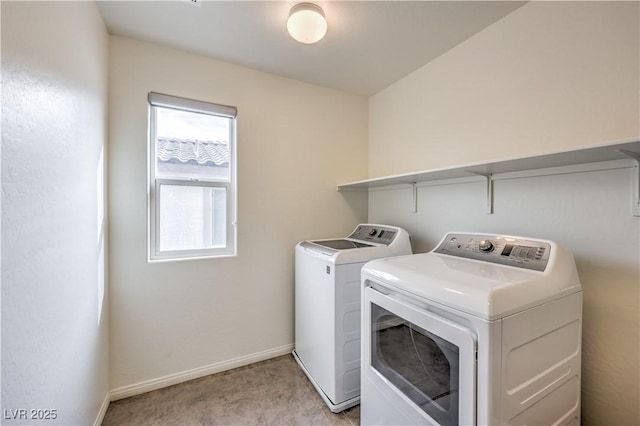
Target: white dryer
327,307
485,329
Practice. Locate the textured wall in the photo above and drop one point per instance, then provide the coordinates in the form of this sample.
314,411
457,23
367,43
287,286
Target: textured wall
548,77
54,312
295,143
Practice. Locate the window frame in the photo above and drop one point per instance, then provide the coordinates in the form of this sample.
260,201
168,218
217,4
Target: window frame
155,254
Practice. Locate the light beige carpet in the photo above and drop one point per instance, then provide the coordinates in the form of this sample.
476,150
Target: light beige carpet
272,392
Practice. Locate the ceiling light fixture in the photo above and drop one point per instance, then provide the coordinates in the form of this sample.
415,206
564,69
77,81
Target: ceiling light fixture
306,23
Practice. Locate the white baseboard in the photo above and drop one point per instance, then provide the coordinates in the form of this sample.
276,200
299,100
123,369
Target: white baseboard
195,373
103,409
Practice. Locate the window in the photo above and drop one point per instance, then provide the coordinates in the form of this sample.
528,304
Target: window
192,189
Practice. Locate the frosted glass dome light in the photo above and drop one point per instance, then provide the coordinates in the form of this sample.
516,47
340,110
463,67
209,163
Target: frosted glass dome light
306,23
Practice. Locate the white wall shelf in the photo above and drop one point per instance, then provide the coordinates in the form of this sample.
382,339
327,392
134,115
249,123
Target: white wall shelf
622,150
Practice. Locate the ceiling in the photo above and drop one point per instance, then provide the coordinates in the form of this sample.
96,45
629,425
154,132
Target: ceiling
369,44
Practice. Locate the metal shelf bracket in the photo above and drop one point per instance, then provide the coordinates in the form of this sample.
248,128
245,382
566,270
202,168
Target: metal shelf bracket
489,178
414,188
635,184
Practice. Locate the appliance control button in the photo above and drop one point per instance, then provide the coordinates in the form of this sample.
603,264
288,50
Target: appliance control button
373,232
486,246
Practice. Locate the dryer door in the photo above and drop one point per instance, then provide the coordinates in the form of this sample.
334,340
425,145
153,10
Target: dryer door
423,366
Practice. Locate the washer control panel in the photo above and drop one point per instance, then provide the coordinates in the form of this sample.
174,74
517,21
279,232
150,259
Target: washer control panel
511,251
374,233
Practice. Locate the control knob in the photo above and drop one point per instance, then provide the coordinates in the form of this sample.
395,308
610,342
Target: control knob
373,232
486,246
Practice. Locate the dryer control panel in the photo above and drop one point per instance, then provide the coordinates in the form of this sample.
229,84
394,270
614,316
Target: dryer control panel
374,233
505,250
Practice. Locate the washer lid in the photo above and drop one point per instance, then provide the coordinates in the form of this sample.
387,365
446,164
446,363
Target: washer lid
486,290
368,241
359,253
341,244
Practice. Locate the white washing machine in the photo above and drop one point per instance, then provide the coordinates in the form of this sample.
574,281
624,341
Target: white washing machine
327,307
483,330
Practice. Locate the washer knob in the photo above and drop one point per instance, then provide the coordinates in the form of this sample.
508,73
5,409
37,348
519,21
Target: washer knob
486,246
373,232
